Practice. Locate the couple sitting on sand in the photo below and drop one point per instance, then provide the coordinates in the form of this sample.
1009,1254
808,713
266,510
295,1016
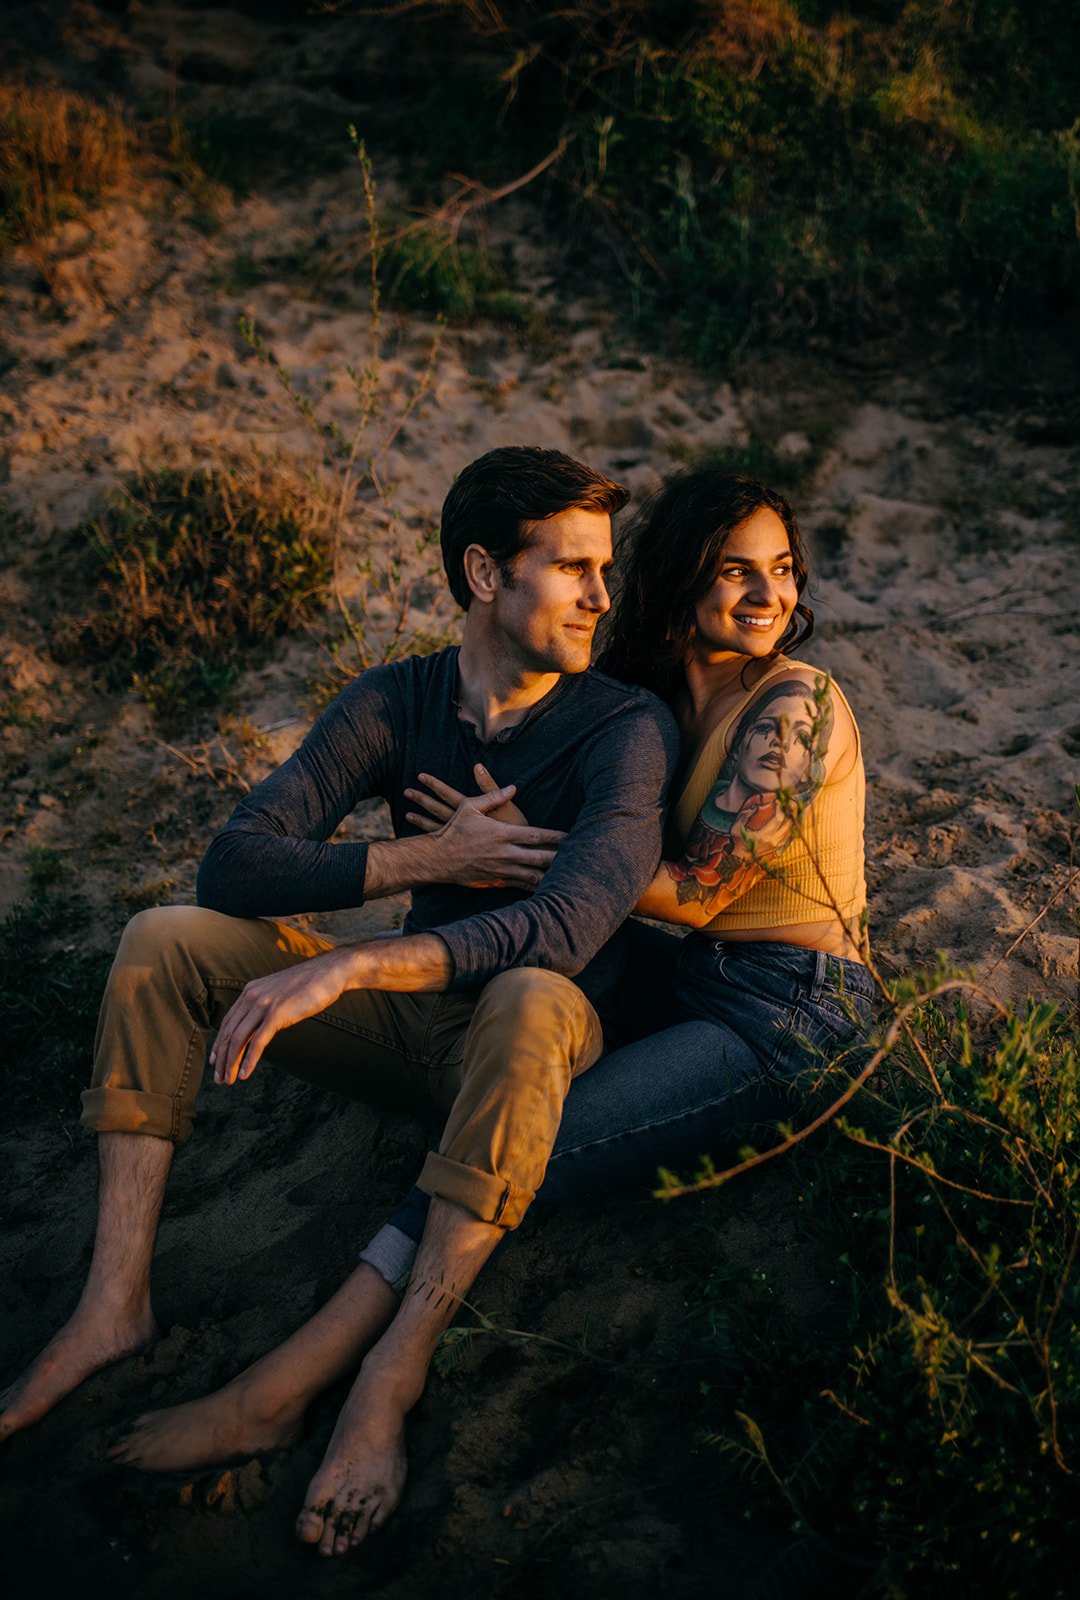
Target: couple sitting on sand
517,962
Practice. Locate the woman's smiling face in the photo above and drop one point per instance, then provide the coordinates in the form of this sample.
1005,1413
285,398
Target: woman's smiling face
751,601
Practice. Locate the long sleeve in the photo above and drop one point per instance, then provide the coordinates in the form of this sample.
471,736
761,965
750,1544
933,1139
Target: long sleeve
273,857
601,868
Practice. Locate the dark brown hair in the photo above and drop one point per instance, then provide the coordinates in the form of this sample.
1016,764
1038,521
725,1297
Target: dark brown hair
493,501
669,559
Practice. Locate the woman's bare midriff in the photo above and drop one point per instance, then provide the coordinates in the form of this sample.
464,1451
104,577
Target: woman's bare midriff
827,936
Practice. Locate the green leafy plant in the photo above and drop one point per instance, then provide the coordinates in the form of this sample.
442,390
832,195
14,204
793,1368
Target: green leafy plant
929,1435
777,171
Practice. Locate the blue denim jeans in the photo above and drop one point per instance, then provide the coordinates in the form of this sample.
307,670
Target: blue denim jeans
745,1022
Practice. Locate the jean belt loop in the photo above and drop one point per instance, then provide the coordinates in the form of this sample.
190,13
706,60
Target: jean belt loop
820,973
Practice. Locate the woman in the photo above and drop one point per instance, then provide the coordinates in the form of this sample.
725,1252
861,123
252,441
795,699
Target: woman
764,855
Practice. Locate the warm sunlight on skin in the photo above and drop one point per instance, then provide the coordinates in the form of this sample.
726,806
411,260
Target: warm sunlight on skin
548,604
749,606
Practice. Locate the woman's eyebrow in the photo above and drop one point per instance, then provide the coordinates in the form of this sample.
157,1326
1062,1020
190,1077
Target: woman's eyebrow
748,561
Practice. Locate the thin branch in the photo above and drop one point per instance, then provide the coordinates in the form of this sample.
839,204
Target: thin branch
715,1180
891,1151
1054,898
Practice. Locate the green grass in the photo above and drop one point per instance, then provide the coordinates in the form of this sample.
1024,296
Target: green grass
926,1435
783,171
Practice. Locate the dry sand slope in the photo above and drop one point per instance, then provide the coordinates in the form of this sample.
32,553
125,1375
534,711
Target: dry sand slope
945,543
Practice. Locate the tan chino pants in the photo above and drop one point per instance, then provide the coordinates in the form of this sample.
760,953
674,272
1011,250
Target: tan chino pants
498,1067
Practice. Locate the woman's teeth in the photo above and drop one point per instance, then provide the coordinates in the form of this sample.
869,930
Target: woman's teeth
755,622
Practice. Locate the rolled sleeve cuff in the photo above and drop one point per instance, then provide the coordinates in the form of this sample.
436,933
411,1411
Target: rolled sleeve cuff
474,962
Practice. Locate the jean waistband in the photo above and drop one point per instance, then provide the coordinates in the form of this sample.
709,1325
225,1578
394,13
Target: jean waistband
798,960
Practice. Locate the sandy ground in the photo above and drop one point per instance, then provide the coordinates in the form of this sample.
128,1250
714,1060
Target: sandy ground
945,540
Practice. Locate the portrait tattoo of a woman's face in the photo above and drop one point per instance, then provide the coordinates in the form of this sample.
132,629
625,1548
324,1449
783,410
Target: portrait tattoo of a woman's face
770,775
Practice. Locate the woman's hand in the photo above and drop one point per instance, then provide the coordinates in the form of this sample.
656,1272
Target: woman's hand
485,840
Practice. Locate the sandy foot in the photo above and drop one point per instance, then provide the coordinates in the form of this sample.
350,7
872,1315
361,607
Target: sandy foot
237,1422
82,1347
362,1476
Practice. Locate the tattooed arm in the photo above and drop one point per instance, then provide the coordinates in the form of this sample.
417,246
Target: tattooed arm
784,748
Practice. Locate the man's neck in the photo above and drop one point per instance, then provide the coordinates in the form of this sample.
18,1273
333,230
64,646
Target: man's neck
495,692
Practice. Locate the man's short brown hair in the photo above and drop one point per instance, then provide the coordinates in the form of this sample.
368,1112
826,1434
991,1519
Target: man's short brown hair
493,501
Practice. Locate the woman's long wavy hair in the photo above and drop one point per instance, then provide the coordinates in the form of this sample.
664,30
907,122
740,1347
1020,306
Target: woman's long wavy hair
670,557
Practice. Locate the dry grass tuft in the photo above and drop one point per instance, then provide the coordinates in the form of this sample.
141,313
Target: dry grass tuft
198,567
59,153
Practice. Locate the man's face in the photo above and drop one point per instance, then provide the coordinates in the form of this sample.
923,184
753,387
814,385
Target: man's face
548,605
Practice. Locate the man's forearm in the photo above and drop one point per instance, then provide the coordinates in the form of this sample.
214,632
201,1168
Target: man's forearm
394,865
419,963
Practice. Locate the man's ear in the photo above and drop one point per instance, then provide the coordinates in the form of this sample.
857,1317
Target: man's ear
481,573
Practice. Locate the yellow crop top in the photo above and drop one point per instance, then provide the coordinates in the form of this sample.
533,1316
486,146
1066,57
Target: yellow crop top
822,869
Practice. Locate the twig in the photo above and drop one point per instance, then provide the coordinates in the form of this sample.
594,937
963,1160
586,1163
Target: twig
715,1180
1054,898
891,1151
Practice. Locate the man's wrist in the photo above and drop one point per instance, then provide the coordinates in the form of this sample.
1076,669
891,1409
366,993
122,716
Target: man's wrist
415,963
394,865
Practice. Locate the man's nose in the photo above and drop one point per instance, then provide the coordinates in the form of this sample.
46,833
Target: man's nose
596,597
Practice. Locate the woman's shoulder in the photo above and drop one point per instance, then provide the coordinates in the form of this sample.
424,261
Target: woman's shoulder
830,721
820,684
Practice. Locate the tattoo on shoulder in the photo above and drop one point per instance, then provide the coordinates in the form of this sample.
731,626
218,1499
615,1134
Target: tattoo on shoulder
773,770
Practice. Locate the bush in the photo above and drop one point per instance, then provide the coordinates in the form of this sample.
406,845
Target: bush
199,567
930,1432
59,153
777,170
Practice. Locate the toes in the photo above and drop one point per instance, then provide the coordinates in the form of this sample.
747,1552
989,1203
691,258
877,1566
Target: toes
343,1533
310,1523
367,1524
329,1533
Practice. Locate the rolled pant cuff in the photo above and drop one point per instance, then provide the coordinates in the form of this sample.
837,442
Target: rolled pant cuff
107,1110
487,1197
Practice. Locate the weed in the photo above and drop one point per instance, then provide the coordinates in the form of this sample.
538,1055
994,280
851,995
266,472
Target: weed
18,709
929,1430
770,172
382,619
199,568
244,150
59,153
756,458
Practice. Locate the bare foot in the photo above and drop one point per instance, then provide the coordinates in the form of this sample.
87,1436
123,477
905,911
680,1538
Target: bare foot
241,1420
90,1341
362,1476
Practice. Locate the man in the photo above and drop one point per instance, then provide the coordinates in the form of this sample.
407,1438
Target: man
472,1010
